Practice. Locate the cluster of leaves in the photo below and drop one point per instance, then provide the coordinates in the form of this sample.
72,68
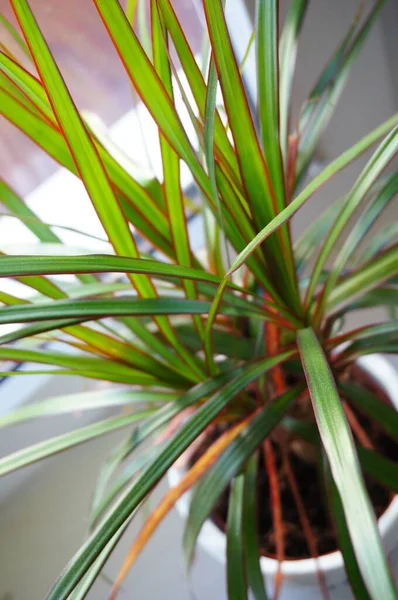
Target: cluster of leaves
200,344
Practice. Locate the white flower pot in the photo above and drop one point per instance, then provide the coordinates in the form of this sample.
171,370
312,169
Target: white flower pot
300,576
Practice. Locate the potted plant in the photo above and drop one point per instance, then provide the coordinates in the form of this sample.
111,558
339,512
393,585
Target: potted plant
239,366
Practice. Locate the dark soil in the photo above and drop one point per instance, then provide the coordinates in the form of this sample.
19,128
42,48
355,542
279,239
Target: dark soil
311,489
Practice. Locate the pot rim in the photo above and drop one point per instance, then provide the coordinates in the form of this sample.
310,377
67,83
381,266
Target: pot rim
214,540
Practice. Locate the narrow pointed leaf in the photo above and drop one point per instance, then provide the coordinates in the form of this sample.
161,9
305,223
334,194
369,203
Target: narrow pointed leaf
86,366
383,296
255,175
134,494
310,239
16,205
107,495
287,61
340,450
370,276
366,402
326,93
196,81
339,163
82,149
353,572
229,464
268,93
88,162
236,576
169,500
251,543
32,454
171,163
14,33
148,85
86,401
99,308
378,467
382,156
92,574
136,201
386,236
365,221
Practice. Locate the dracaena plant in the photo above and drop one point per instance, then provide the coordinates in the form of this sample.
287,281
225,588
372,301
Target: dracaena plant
192,344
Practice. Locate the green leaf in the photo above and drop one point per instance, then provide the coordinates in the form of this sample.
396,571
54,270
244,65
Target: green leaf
36,329
366,333
16,205
52,142
30,87
134,197
32,454
268,93
240,348
345,544
118,454
379,241
88,163
87,366
386,333
14,33
90,577
383,296
135,493
340,450
378,467
368,403
310,239
148,85
85,401
211,486
242,127
198,87
287,61
107,345
82,149
103,496
251,544
339,163
141,192
13,266
236,576
255,175
139,435
171,163
15,94
153,93
386,347
209,132
371,275
381,157
98,308
371,213
38,130
324,97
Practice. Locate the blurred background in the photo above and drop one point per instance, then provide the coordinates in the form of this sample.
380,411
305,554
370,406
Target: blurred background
43,510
